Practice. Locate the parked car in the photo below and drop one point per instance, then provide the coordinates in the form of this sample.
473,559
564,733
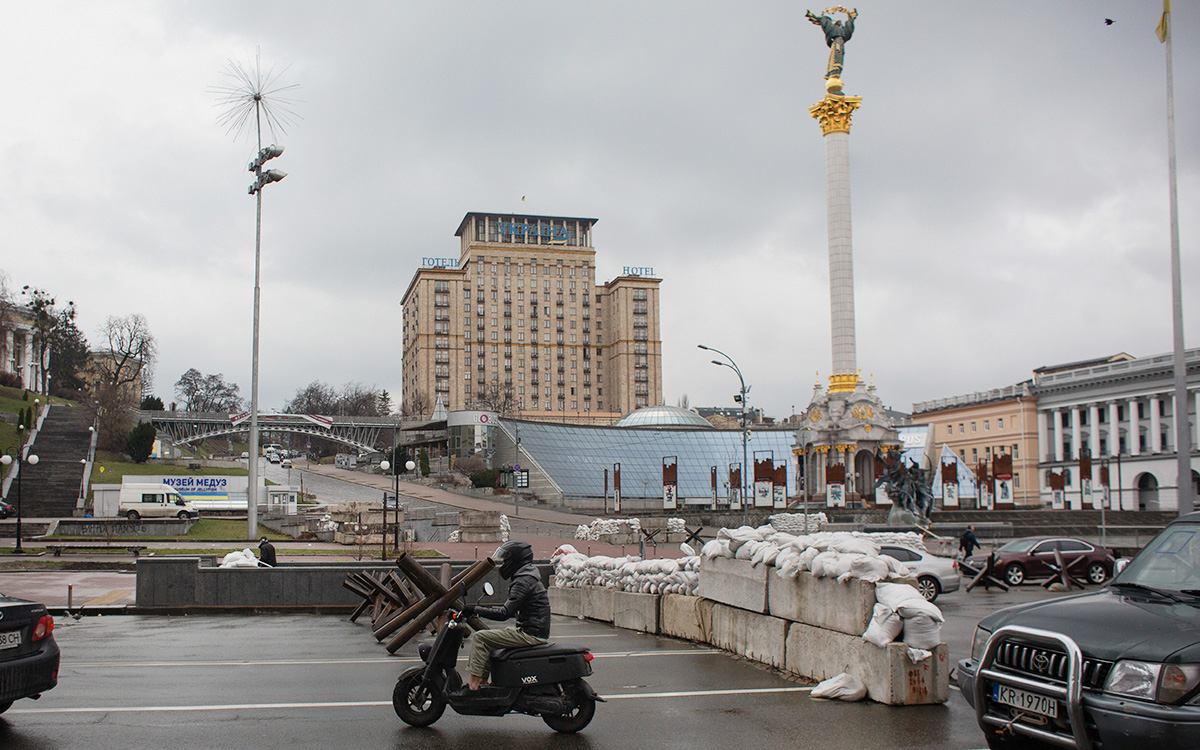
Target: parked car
28,654
6,510
1114,668
935,575
1030,557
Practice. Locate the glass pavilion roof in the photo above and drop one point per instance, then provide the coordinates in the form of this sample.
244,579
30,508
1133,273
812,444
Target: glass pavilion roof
575,457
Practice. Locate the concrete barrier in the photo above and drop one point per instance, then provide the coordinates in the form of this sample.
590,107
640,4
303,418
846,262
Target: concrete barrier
638,612
734,582
750,634
192,583
597,603
687,617
566,602
823,602
890,676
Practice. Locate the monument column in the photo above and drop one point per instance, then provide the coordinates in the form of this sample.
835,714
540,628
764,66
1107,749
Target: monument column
833,114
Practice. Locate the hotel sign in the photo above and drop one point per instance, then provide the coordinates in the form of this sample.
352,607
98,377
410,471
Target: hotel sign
439,262
637,271
554,235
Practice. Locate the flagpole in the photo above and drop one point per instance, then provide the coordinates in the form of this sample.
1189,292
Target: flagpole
1183,439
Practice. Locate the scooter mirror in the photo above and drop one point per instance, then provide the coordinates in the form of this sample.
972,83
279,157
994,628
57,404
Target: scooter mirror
488,588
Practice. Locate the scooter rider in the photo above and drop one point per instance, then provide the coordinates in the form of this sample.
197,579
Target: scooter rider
527,600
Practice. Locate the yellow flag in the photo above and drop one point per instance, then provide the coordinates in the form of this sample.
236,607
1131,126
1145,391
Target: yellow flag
1163,27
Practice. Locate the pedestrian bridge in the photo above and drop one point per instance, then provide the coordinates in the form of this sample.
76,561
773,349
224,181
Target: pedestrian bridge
183,427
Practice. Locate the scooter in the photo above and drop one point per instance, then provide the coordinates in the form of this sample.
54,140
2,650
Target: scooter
545,681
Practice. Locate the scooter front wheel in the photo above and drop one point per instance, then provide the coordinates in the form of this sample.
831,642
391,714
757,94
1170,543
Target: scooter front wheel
416,705
578,716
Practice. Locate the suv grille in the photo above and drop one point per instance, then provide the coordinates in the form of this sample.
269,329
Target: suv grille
1048,664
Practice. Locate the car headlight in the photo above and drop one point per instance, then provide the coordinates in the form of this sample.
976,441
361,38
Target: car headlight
978,643
1162,683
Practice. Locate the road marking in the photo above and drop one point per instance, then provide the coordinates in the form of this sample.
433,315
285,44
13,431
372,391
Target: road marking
373,704
369,660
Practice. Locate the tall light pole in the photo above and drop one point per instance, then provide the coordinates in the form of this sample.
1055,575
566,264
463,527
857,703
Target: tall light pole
255,92
740,398
31,460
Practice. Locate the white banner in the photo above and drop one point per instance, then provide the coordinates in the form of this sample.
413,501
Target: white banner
780,496
835,495
669,501
762,493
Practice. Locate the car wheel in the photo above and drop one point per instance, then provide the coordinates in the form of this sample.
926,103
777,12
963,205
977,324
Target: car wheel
1014,574
132,515
1097,573
929,588
184,515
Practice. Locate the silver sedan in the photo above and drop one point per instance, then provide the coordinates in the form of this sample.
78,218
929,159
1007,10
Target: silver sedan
935,575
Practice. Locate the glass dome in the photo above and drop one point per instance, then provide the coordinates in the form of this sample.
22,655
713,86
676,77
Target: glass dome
663,416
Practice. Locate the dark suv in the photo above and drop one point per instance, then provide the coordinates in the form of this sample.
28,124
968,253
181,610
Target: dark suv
28,653
1114,668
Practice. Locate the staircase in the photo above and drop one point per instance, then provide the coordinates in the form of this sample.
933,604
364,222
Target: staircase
50,488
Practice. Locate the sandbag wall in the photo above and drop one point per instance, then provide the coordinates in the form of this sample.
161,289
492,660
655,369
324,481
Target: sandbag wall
805,625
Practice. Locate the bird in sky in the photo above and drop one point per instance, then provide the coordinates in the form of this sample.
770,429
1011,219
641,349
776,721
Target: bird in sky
1108,22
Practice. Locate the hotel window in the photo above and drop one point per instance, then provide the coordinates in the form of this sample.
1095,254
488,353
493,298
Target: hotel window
973,427
987,425
1000,423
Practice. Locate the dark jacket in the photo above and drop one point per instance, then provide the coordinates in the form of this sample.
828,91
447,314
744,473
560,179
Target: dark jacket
527,600
266,553
968,542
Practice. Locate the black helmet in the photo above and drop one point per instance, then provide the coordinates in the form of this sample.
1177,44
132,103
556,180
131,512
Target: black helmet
511,556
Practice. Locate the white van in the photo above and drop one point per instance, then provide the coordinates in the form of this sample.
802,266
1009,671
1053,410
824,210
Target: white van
154,501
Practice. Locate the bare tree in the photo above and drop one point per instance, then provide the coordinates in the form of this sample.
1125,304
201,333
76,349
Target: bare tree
683,402
207,393
356,400
314,398
415,404
131,351
497,397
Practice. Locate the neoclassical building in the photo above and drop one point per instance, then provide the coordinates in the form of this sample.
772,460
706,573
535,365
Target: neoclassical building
1121,411
17,354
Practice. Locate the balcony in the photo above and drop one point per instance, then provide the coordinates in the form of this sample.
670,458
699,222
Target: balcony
480,325
561,368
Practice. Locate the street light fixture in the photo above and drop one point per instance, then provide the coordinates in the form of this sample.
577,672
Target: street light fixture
6,460
740,398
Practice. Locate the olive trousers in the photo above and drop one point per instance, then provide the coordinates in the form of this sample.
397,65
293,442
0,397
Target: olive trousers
483,642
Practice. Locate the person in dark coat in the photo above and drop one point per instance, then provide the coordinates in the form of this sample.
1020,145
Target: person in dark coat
967,543
527,601
266,552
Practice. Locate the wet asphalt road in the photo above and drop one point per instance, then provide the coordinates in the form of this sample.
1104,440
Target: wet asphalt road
318,681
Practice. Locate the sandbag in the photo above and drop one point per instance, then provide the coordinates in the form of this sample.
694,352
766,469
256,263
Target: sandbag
922,631
885,626
843,687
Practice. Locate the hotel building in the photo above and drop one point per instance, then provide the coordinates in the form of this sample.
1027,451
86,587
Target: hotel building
519,324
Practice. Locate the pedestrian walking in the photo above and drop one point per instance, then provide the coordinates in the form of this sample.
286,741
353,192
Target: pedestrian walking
967,543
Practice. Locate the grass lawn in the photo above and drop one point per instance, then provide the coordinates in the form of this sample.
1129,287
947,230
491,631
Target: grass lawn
111,467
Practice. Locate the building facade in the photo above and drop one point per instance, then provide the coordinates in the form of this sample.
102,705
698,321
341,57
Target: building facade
1120,412
17,353
519,324
980,427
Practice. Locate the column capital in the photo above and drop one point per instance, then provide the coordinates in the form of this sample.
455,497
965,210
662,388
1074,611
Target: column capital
834,111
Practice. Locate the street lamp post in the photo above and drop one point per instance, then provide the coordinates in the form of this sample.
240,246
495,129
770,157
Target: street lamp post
31,460
741,398
261,180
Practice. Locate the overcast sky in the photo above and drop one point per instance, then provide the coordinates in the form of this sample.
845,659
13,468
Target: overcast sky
1008,166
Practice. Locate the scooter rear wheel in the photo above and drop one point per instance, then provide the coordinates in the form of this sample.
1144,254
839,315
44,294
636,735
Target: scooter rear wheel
415,705
574,719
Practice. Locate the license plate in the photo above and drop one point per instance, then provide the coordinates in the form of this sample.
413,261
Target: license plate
1025,700
10,639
